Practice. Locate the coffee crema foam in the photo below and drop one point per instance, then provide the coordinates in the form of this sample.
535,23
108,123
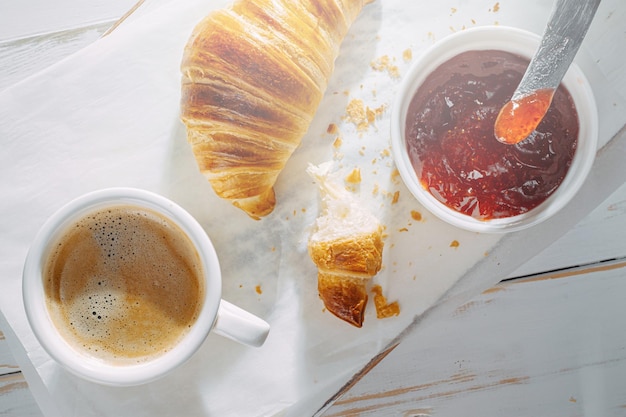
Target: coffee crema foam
123,284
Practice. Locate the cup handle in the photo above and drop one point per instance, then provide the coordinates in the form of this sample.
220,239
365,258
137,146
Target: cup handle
239,325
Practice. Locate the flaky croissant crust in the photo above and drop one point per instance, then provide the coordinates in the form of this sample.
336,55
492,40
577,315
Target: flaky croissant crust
360,254
253,77
344,296
345,266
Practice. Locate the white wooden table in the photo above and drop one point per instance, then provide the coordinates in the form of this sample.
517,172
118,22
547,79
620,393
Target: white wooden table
550,340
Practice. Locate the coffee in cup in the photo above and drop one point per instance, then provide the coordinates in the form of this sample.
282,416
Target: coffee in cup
123,283
121,286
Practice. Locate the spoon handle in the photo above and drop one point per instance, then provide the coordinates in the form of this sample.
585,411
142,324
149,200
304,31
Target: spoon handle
564,33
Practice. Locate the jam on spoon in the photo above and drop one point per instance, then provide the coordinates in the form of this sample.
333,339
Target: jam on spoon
531,100
518,118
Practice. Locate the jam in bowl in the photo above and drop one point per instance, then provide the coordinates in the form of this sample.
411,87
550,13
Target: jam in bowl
443,138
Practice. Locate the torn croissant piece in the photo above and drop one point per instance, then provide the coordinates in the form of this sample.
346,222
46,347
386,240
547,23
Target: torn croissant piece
253,77
347,247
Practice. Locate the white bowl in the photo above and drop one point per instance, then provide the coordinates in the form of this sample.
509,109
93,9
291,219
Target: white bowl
522,43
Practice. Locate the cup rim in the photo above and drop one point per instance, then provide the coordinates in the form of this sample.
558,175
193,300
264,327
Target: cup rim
523,43
97,370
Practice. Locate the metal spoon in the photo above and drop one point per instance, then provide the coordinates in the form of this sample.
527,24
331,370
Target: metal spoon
564,33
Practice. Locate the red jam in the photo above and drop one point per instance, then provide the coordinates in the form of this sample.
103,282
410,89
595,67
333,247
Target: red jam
518,118
451,142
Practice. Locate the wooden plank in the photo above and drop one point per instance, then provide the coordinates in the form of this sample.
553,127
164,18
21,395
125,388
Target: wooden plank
26,18
523,339
15,397
598,237
23,54
464,367
24,57
7,363
551,345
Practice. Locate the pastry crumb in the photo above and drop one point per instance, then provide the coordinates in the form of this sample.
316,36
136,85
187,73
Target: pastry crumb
394,176
384,63
496,7
416,215
385,193
332,129
362,116
454,244
338,142
407,55
258,289
383,308
396,197
354,177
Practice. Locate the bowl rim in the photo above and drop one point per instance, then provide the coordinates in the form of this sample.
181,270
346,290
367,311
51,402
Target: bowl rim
520,42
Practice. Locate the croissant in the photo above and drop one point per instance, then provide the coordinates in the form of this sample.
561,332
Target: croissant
347,247
253,76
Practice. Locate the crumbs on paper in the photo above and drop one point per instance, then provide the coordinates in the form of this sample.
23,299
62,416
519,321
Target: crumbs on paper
360,115
383,308
384,63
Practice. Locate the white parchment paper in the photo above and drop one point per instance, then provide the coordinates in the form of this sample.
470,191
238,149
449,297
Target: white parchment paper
108,116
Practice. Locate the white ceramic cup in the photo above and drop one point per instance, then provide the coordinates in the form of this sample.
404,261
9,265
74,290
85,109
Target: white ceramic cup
216,314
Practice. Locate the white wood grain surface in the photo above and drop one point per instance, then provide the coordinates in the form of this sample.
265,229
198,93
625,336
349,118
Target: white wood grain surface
548,344
598,237
27,18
